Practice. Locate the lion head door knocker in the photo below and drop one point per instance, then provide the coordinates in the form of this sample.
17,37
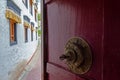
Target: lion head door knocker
78,55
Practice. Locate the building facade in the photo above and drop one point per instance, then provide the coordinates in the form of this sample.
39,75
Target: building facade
18,36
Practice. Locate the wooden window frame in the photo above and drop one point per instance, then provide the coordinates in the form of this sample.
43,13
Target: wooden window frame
13,32
30,7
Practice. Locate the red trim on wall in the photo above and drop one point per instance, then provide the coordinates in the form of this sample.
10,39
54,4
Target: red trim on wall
26,65
31,57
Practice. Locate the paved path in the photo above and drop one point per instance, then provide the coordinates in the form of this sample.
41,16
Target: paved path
33,69
34,74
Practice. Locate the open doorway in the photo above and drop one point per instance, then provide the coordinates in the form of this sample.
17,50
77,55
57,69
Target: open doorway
34,66
20,39
36,62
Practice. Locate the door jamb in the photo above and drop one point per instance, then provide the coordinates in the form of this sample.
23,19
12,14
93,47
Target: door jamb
44,40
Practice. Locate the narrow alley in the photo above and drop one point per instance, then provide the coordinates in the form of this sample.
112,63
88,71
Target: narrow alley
19,40
33,69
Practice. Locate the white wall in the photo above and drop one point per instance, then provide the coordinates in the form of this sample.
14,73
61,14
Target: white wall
12,57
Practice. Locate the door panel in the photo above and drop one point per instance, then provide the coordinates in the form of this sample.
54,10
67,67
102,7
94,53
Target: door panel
61,73
67,19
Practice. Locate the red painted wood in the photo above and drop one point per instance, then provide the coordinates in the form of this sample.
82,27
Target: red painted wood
75,19
61,73
112,40
92,20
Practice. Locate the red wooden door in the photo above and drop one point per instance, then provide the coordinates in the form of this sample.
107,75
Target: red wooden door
65,19
73,18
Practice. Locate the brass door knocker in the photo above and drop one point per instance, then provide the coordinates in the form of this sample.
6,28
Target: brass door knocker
78,55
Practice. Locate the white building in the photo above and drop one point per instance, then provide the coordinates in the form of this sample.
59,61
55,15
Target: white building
18,36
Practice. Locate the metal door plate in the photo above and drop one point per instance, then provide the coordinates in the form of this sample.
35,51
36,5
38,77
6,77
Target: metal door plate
79,56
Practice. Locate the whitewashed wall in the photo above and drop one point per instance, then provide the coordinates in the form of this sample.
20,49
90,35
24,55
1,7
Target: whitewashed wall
15,56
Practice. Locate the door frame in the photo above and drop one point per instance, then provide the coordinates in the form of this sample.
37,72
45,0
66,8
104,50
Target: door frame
44,40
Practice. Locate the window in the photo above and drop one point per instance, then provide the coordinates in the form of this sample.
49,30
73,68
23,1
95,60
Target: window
31,35
36,33
26,26
26,34
30,7
35,14
32,29
13,39
25,2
